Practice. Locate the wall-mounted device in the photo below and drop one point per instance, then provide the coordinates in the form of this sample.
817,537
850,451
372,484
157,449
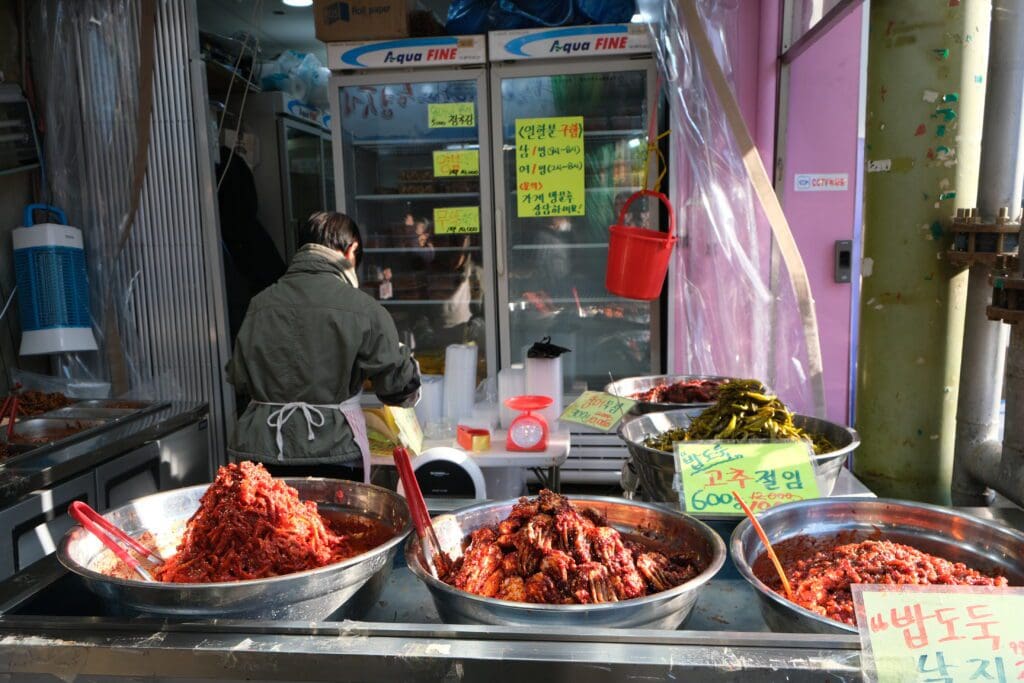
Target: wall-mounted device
843,260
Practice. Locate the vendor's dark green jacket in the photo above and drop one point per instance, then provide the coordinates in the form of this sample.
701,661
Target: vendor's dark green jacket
314,337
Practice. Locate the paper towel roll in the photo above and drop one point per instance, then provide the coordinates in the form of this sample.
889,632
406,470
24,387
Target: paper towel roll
544,378
511,382
459,380
430,409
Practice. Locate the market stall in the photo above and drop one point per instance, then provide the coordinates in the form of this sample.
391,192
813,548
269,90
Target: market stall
622,465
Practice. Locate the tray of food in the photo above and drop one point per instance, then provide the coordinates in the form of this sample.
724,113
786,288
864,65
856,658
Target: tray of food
249,546
34,403
569,561
656,393
105,409
743,411
45,431
825,546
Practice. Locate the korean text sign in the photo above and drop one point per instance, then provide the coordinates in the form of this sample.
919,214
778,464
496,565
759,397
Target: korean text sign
764,474
451,115
941,633
463,162
457,220
549,167
597,409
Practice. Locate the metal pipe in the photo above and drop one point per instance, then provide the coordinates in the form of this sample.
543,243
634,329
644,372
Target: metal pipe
912,303
1001,177
1011,470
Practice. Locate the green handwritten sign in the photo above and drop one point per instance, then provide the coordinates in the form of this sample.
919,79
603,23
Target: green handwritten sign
549,167
456,163
457,220
763,474
940,633
598,410
451,115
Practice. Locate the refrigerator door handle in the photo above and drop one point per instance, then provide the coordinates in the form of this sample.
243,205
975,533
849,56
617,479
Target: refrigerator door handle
499,231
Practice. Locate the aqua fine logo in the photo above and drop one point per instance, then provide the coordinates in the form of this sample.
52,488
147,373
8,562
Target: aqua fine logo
337,11
394,57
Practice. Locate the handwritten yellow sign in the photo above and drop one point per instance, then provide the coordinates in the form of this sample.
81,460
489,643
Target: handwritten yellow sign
940,633
456,163
457,220
549,167
763,474
451,115
598,410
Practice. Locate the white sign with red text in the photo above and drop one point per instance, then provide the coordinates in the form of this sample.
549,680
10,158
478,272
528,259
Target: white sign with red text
821,182
569,41
407,52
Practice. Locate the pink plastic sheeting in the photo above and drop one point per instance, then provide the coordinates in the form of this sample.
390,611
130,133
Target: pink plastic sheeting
735,309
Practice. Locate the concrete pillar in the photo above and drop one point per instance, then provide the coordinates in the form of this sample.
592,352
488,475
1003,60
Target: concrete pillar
927,63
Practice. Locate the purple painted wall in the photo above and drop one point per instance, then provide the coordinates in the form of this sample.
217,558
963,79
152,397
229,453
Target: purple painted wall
822,138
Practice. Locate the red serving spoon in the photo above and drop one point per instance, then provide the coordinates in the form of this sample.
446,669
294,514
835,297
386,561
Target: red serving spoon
440,563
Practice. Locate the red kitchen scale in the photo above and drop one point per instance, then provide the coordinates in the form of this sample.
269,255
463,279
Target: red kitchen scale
528,431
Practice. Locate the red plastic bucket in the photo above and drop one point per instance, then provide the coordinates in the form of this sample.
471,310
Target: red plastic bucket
638,257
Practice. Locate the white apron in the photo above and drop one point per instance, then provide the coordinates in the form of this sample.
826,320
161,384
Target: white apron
351,409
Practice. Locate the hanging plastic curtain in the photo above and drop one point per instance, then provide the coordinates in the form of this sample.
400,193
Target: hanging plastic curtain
737,313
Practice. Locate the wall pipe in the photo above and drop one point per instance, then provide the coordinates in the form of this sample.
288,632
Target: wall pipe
977,465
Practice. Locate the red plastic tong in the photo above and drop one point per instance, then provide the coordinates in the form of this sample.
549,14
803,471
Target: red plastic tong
436,557
109,535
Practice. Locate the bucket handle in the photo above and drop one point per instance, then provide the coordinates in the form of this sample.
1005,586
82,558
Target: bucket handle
649,193
29,218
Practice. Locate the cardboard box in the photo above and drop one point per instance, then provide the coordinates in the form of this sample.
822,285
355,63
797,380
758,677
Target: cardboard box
348,20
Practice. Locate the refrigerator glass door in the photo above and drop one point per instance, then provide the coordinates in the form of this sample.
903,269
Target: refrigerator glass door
411,162
562,133
305,168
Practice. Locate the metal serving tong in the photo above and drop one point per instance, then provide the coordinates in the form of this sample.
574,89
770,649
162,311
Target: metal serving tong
437,559
111,537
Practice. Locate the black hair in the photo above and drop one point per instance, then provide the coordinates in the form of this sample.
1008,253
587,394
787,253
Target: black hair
333,230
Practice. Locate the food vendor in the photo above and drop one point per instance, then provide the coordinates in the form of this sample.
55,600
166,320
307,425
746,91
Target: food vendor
305,348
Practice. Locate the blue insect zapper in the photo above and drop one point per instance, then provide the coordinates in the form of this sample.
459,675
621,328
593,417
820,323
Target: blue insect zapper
53,287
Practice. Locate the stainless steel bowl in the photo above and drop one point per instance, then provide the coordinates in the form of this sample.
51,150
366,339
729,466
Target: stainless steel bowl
665,610
655,470
980,544
630,386
311,595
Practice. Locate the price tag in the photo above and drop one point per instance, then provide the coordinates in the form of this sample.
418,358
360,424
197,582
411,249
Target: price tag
549,167
764,474
451,115
597,409
409,430
457,163
940,633
457,220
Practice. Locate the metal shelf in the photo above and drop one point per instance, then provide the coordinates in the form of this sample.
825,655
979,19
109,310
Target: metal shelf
582,245
414,250
417,142
424,196
414,302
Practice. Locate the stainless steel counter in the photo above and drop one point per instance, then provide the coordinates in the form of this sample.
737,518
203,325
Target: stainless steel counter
52,630
49,466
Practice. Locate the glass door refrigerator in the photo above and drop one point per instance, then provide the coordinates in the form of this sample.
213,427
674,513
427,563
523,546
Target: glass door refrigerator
411,168
570,144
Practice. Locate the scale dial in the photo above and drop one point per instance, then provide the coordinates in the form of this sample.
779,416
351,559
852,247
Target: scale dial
527,432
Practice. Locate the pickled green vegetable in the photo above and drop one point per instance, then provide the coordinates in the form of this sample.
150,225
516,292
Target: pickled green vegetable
744,411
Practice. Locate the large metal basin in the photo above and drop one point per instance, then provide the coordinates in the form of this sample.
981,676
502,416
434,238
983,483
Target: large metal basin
312,595
665,610
982,545
655,470
630,386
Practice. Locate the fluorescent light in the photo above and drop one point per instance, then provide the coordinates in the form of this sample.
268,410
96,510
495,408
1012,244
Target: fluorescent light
298,3
635,142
